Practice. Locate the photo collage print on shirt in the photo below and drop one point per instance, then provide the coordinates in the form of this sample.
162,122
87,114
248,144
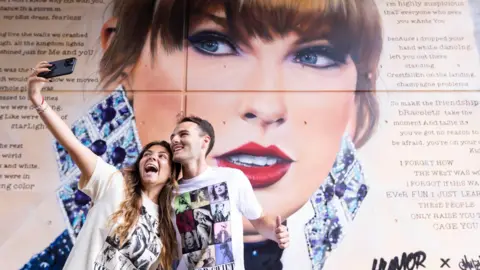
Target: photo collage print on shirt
203,220
139,252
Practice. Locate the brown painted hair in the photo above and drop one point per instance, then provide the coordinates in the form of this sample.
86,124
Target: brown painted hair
129,210
353,26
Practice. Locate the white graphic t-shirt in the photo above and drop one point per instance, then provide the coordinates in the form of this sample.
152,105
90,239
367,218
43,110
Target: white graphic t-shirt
95,247
208,218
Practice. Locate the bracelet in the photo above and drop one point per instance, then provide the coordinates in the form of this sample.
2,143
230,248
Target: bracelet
41,104
41,109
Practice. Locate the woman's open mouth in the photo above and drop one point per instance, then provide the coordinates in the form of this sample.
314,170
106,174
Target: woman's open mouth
263,166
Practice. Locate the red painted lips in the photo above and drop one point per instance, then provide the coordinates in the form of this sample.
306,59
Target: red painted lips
263,166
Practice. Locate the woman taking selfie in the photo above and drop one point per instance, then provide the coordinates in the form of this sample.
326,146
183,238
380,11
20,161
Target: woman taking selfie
302,79
129,225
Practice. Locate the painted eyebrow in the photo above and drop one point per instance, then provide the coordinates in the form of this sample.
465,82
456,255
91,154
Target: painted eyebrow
309,39
221,21
208,16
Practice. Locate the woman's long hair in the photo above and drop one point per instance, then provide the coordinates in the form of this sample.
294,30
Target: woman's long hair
129,211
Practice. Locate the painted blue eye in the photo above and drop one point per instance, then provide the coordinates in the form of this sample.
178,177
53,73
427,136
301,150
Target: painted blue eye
314,60
212,43
210,46
308,59
215,47
320,57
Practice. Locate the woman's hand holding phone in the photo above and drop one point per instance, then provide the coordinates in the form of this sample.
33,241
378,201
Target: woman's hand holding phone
36,83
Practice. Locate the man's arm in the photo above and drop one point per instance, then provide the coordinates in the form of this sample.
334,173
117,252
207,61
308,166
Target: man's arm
266,225
272,229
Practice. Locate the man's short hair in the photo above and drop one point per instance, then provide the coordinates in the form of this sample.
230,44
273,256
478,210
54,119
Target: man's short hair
205,128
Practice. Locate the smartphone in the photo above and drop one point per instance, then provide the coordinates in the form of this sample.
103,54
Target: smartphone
60,68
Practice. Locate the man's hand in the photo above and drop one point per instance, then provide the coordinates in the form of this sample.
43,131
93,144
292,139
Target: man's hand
281,232
272,229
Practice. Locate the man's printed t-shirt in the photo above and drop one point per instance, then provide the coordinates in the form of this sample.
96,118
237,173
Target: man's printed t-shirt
208,218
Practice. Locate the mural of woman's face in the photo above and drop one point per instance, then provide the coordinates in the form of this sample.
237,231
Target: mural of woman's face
284,141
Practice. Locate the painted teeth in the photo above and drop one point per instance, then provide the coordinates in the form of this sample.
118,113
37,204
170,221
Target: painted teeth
259,161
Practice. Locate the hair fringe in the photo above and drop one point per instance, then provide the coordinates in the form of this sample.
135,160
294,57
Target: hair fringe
354,24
